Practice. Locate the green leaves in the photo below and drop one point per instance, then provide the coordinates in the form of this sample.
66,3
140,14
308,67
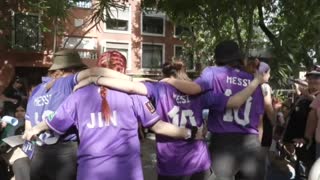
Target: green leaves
289,27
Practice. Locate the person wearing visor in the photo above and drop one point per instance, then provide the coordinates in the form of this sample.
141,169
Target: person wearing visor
107,121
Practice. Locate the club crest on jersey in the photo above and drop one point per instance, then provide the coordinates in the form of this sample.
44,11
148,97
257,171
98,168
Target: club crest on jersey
150,107
50,116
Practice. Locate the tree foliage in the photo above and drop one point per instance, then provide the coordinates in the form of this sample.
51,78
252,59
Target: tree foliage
289,28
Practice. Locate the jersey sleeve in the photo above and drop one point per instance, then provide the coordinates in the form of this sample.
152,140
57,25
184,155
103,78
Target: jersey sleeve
144,110
152,89
72,80
217,101
64,117
205,80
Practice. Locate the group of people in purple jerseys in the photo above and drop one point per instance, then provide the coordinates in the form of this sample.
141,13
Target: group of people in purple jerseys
100,120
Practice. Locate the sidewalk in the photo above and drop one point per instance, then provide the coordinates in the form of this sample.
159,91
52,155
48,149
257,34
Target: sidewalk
149,160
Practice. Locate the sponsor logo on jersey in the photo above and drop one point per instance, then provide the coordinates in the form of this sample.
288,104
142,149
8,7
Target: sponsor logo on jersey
150,107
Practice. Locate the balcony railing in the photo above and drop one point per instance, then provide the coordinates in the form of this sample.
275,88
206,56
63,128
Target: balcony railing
88,54
83,4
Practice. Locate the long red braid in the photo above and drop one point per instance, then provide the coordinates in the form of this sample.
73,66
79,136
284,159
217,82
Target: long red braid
113,60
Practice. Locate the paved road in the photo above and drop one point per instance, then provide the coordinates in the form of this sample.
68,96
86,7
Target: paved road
149,161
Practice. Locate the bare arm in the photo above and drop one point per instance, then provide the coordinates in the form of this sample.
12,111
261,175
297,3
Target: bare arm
311,124
239,98
32,132
99,71
187,87
269,109
167,129
118,84
105,72
260,128
27,125
5,98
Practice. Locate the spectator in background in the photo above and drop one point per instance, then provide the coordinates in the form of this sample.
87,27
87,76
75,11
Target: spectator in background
297,123
15,157
6,74
14,94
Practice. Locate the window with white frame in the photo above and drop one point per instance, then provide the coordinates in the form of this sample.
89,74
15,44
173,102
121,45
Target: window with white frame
123,48
87,4
153,23
187,57
152,56
26,33
86,43
87,46
119,19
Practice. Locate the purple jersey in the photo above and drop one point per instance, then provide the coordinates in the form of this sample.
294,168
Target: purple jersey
180,157
106,150
229,81
44,102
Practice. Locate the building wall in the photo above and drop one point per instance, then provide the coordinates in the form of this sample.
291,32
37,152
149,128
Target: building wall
134,38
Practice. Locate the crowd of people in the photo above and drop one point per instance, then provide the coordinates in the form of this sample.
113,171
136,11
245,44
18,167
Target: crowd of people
83,123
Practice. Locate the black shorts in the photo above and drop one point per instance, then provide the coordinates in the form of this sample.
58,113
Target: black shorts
53,162
233,153
203,175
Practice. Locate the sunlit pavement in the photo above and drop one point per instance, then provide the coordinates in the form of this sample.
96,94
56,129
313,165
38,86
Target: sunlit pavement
149,159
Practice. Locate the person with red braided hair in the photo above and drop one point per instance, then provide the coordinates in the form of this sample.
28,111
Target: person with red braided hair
107,122
179,159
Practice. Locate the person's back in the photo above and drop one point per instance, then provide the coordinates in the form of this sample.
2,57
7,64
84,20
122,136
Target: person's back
245,120
179,157
107,150
46,101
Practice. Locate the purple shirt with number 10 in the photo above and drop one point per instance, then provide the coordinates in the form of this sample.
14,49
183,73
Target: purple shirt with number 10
181,157
230,81
106,150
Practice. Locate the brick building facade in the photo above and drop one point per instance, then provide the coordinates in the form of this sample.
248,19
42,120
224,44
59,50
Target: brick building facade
146,38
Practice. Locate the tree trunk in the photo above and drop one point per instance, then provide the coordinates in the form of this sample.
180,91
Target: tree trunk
55,29
236,27
250,26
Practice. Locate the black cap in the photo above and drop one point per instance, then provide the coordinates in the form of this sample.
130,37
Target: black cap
227,51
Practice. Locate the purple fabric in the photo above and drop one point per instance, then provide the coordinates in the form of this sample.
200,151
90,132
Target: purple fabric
43,103
229,81
106,151
180,157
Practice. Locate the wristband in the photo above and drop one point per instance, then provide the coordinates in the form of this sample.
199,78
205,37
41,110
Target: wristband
194,130
188,136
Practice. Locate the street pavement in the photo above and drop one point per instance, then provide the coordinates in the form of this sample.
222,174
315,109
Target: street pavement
149,159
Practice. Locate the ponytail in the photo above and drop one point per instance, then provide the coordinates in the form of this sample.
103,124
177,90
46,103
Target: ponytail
104,61
176,69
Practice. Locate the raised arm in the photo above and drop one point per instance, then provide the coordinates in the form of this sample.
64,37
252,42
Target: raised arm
240,98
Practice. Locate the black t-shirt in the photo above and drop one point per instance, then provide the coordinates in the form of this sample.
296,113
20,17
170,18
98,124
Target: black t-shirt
298,120
267,132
